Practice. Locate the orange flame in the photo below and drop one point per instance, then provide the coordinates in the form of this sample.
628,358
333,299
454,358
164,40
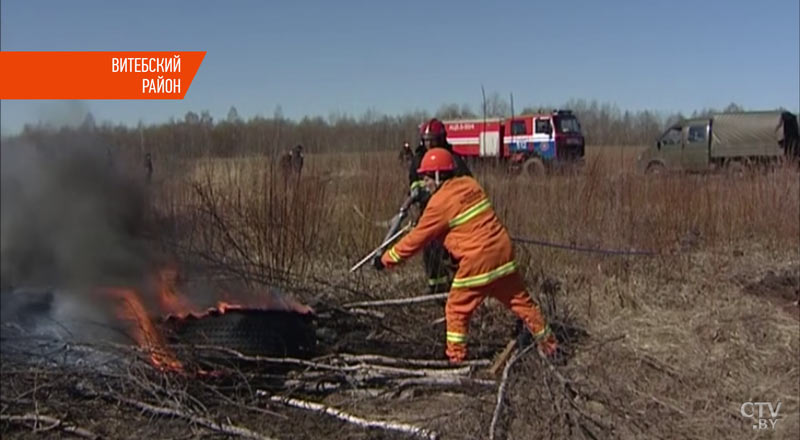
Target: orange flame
173,303
130,309
171,300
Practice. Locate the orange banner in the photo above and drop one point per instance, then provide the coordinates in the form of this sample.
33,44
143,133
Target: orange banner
97,75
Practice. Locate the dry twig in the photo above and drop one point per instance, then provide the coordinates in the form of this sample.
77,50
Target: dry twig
202,421
396,302
364,423
386,360
501,390
54,424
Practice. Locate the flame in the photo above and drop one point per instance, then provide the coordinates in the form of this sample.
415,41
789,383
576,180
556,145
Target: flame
224,306
129,308
171,300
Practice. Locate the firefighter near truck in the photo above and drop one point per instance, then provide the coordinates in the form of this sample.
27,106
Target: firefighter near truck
531,143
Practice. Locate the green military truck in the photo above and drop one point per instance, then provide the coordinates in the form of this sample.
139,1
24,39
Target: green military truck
729,141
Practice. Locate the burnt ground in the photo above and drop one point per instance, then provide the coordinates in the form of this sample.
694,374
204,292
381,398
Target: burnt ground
658,348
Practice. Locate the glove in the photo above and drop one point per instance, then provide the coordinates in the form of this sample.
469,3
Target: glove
419,195
377,263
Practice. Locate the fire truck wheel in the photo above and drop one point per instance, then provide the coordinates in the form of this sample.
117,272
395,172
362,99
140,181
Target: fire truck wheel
533,167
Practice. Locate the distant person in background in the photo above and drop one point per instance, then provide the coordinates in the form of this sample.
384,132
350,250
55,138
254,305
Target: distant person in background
286,162
292,161
297,159
148,167
406,155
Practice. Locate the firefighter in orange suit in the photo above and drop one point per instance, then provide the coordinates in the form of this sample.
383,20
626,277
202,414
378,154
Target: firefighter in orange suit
460,212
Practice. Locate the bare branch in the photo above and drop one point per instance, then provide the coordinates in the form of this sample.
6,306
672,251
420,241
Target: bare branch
397,302
365,423
501,390
54,423
202,421
386,360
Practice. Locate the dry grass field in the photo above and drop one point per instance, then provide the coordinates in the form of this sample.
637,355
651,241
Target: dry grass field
674,343
668,345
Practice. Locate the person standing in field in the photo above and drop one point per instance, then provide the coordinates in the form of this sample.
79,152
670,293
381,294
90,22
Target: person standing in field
292,161
148,167
297,159
438,263
406,155
459,213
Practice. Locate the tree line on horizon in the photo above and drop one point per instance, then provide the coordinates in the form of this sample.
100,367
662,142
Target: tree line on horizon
199,135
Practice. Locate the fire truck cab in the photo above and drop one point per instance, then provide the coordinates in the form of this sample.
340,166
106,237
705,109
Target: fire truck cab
534,141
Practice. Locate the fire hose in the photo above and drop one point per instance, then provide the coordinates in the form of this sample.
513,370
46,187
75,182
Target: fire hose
583,248
395,232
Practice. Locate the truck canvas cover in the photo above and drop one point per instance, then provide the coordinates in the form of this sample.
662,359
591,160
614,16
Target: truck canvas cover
745,134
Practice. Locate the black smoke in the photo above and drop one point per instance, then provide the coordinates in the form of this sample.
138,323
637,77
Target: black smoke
69,214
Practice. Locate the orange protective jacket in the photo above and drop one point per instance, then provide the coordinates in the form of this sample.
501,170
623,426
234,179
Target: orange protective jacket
460,211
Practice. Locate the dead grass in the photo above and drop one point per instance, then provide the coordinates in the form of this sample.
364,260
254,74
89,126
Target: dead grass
693,347
607,205
674,344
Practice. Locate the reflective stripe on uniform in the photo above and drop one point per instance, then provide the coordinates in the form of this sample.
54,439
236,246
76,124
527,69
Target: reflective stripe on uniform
393,255
486,278
456,338
543,333
417,184
440,280
467,215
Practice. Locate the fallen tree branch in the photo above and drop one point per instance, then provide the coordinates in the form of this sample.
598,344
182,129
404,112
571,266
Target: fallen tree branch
511,347
359,421
501,390
396,302
376,373
444,382
272,360
54,423
346,368
361,363
371,313
386,360
317,383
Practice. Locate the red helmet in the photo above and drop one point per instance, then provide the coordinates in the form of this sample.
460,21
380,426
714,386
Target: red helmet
433,130
436,159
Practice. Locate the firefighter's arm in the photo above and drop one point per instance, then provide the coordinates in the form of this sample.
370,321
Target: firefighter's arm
432,224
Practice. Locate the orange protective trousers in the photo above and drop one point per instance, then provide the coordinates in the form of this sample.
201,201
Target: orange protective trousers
462,302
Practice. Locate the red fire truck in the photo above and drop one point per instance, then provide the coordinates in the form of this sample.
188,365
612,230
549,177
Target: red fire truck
532,142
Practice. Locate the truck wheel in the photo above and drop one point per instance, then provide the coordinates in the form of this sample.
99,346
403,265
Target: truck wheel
655,168
533,167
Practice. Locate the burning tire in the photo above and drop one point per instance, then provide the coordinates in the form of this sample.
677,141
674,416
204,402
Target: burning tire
250,331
